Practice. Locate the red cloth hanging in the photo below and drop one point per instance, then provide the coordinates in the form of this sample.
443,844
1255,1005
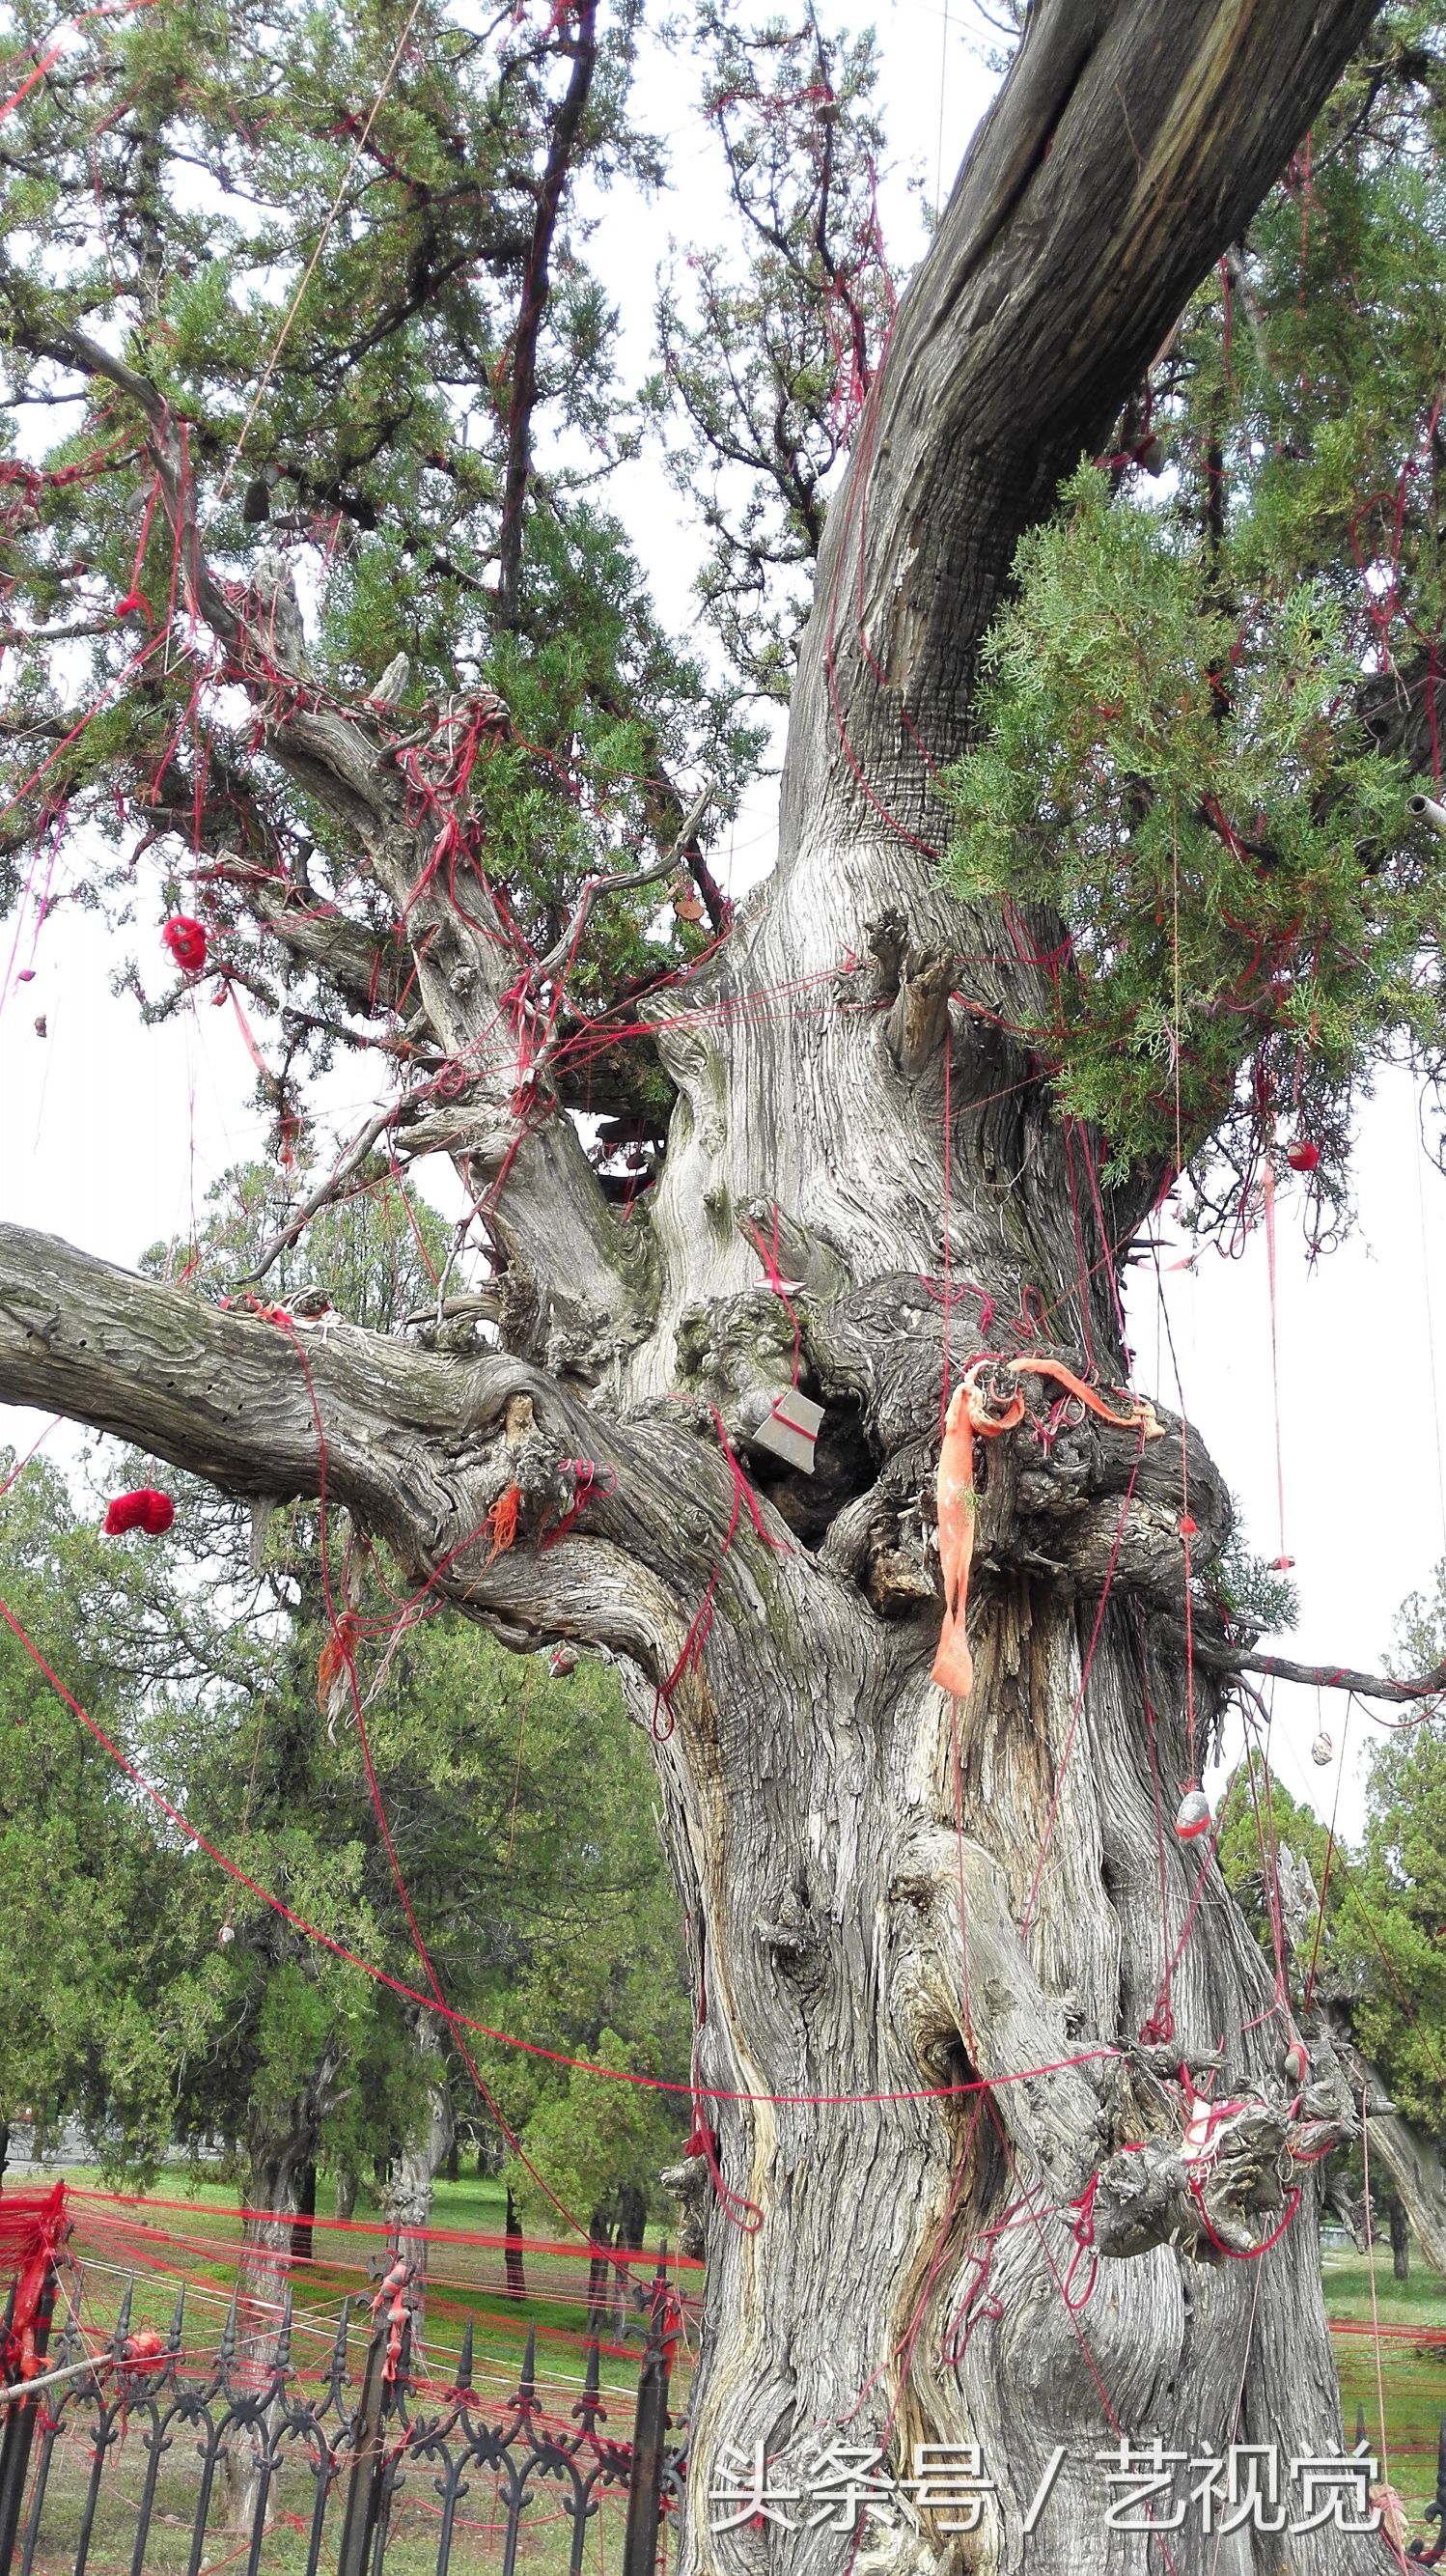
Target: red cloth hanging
145,1509
1302,1156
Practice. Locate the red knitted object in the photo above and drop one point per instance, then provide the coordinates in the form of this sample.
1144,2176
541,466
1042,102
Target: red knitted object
145,1509
186,940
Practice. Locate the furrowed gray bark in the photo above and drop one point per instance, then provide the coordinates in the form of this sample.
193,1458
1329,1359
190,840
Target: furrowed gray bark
927,1941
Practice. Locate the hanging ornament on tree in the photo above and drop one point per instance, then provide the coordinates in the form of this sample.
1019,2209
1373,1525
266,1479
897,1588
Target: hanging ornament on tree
1295,2064
186,940
226,1935
1302,1156
145,1509
1322,1750
561,1662
1192,1816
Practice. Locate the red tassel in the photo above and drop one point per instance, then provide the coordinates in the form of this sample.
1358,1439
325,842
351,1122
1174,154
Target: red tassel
145,1509
1302,1156
186,940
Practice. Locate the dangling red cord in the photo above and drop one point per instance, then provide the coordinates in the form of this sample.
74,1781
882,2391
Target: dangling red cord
702,2141
702,1620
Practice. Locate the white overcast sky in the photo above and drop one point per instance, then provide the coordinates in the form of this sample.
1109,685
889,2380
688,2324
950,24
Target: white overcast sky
111,1132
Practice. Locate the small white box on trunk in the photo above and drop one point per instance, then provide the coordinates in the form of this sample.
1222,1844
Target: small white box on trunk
790,1430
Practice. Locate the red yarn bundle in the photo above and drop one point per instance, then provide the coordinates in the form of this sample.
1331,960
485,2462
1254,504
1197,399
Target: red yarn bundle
32,2227
186,940
1302,1156
145,1509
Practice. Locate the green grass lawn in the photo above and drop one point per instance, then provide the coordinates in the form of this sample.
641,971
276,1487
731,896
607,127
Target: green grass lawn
201,2238
466,2283
1412,2365
151,2247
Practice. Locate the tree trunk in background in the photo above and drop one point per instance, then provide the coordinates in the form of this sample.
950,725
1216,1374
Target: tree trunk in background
1413,2164
1339,2197
629,2298
1400,2238
261,2277
512,2251
303,2233
347,2184
279,2158
414,2170
600,2229
4,2149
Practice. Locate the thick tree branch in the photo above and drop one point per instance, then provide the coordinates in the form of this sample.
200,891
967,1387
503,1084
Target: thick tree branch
1129,145
1218,1657
583,48
628,881
418,1448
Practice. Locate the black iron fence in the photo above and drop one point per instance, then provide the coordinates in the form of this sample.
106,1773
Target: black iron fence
145,2461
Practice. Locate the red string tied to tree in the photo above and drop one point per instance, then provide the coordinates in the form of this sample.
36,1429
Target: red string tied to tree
186,940
703,2141
588,1480
145,1509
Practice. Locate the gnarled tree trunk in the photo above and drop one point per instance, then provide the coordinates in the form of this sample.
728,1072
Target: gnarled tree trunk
967,2201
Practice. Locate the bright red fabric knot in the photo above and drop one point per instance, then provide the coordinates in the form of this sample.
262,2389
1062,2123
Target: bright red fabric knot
1188,1527
186,940
145,1509
1302,1156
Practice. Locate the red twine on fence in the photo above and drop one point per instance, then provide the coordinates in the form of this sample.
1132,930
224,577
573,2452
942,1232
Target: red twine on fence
32,2226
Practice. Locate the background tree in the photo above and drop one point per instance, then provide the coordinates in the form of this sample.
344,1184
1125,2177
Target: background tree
925,1931
769,340
88,1890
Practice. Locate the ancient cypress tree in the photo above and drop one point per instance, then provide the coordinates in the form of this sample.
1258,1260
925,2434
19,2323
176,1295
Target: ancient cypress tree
957,1981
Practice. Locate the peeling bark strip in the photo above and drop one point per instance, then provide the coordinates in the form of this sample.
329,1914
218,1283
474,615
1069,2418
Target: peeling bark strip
881,1895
